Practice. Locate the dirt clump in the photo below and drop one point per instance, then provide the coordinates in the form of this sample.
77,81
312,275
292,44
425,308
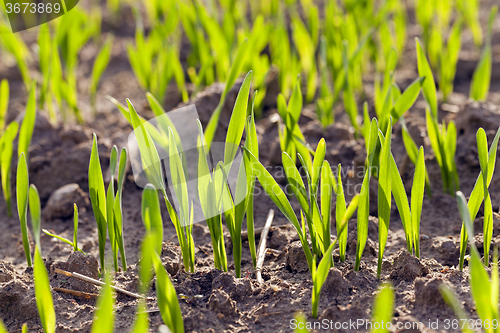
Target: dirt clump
295,258
77,263
407,267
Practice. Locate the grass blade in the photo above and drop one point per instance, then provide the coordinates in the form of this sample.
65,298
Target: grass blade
383,308
319,276
6,152
35,213
384,195
22,189
104,317
28,124
428,86
167,299
43,295
98,199
152,205
417,196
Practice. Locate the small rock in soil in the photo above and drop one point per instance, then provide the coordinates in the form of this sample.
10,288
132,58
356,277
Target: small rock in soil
407,268
60,204
220,303
295,258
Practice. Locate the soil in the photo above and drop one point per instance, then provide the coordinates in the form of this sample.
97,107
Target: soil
213,301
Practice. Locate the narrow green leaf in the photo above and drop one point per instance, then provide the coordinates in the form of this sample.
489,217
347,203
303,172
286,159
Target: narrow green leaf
167,298
6,152
428,86
28,124
383,309
319,277
151,202
407,99
417,197
384,195
237,123
75,228
104,317
43,295
98,199
35,213
4,102
22,188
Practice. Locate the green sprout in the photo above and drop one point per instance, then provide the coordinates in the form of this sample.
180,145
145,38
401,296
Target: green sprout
98,199
22,186
104,317
100,64
484,290
482,75
35,213
6,152
443,139
43,295
479,191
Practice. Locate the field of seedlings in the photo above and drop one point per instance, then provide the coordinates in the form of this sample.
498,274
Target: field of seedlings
250,166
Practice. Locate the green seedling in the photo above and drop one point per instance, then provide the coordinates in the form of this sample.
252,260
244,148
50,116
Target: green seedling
35,213
252,145
28,124
307,52
100,64
364,199
75,228
342,214
14,44
4,102
412,151
73,243
98,199
64,240
326,99
233,74
150,157
114,216
167,298
43,295
22,189
279,198
449,59
151,216
319,276
383,309
384,193
482,75
235,206
443,138
301,323
104,318
6,152
482,150
410,218
480,192
292,140
484,290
